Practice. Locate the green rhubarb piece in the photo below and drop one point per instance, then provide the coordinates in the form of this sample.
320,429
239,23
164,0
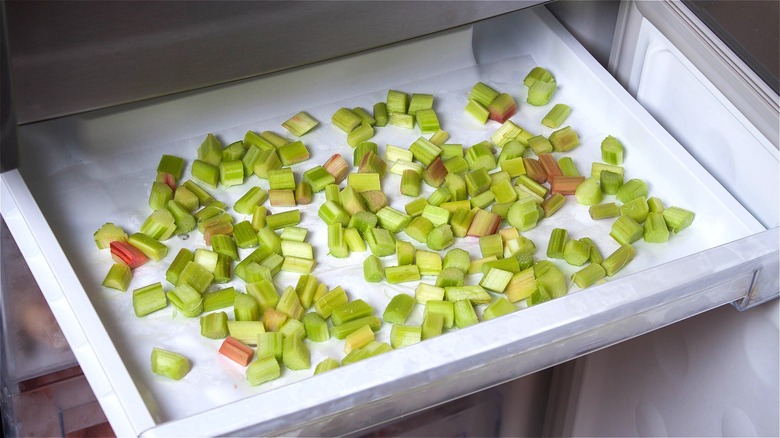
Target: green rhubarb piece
337,247
410,183
551,278
457,258
618,259
374,348
205,173
392,219
456,165
231,173
522,285
186,300
214,325
461,221
300,124
302,250
637,209
576,252
251,158
253,197
605,210
631,189
478,181
464,314
404,335
118,277
292,328
380,113
283,219
363,221
149,246
404,252
364,115
564,139
380,241
245,235
354,240
210,150
480,156
655,205
266,161
401,120
169,364
553,204
588,275
497,308
318,178
346,120
219,299
325,304
362,133
436,215
267,238
626,230
306,288
444,308
246,308
263,369
293,153
509,264
476,294
523,215
108,233
183,257
351,311
184,221
316,327
326,365
233,151
441,237
402,274
341,331
270,344
424,151
419,101
483,93
677,218
495,280
148,299
172,165
556,116
483,200
160,225
398,309
588,192
557,242
397,101
290,303
196,276
372,269
425,292
655,230
159,196
449,150
540,92
427,120
415,208
612,151
363,182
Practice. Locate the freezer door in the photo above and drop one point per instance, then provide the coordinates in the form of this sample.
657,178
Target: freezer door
715,374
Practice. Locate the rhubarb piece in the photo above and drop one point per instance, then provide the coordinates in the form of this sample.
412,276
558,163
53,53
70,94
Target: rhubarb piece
245,236
397,102
233,151
439,137
637,209
440,237
160,225
392,220
251,138
588,275
281,179
436,215
128,254
297,249
410,183
444,308
464,314
380,114
150,247
363,222
223,271
457,258
416,207
362,149
293,153
351,201
336,245
401,165
604,211
462,220
251,157
263,369
306,288
677,218
401,274
246,308
424,151
282,198
478,181
435,173
236,351
159,196
364,115
456,165
354,240
350,311
272,321
169,364
567,185
303,193
363,182
483,93
108,233
362,133
540,92
631,189
523,215
333,193
497,308
504,192
394,153
195,276
210,151
333,299
375,200
521,286
428,262
626,230
358,339
502,108
588,192
419,228
148,299
205,258
425,292
231,173
419,101
327,364
509,131
655,230
316,327
404,251
564,139
612,151
534,170
380,241
294,234
524,181
484,224
266,161
300,124
557,242
118,277
398,309
480,156
450,277
556,116
427,120
284,219
576,252
509,264
219,299
597,168
404,335
618,259
214,325
374,348
343,330
171,165
610,182
439,196
346,120
553,204
290,304
184,221
401,120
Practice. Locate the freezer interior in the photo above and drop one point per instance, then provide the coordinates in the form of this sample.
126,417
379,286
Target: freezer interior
78,171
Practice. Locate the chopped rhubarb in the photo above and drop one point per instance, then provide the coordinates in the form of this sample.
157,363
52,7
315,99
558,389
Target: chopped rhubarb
236,351
128,254
502,108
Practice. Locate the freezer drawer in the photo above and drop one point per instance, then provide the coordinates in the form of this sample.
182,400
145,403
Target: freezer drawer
81,171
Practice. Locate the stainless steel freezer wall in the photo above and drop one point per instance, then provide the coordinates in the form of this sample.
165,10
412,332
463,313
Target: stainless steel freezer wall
70,57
